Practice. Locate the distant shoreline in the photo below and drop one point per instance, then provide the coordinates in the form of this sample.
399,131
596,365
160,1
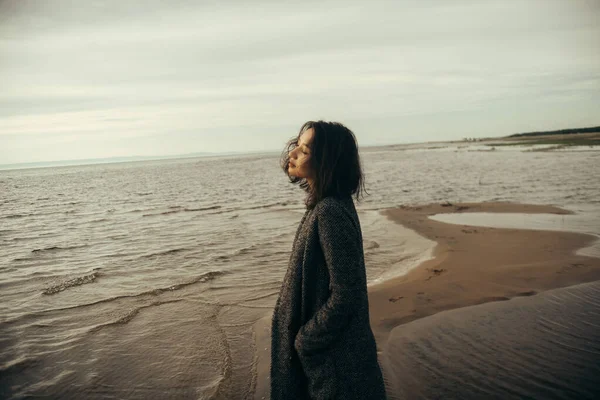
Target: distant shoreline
559,138
116,160
571,131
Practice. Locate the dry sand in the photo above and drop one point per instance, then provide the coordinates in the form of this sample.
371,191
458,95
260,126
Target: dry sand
472,265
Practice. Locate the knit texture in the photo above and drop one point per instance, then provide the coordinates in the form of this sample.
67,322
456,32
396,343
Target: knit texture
322,346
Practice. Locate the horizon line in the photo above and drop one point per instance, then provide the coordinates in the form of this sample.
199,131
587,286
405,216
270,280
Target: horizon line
140,158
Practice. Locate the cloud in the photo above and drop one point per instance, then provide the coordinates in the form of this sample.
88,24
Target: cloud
135,73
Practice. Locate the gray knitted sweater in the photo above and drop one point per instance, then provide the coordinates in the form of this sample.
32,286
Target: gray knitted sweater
322,346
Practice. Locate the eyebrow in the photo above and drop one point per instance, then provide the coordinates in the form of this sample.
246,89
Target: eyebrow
303,144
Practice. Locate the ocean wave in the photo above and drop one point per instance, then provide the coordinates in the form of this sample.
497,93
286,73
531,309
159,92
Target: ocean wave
202,208
264,296
260,207
206,277
229,210
129,315
57,248
98,220
14,216
17,366
164,253
118,237
136,210
219,212
203,278
254,250
178,209
161,213
37,252
78,281
115,255
279,203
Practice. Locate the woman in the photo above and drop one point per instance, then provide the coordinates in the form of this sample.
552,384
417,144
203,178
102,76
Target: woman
322,346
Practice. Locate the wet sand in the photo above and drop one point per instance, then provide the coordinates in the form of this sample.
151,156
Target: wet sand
472,265
475,265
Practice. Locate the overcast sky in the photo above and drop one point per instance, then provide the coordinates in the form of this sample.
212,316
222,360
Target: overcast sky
86,79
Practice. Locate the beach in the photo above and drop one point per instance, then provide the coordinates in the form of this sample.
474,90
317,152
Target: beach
157,279
471,266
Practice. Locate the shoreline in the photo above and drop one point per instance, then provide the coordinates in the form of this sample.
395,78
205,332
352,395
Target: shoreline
517,263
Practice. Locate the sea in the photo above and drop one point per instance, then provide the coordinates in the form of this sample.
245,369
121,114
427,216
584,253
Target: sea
141,280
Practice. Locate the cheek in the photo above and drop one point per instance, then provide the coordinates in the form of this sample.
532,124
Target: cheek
304,165
302,161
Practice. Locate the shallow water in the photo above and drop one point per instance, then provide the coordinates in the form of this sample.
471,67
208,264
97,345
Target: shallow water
543,347
143,279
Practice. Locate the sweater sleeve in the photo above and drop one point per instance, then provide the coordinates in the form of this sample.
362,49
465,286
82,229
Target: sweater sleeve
340,241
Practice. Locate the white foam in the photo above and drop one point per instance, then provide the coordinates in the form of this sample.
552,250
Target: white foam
391,250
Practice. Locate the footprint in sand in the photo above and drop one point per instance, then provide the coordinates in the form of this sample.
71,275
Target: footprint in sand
435,272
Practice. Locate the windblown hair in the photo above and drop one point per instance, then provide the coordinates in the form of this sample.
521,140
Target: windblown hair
334,159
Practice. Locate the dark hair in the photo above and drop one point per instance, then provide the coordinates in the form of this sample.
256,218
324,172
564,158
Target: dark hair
334,159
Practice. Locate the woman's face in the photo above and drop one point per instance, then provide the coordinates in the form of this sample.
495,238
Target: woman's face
299,165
